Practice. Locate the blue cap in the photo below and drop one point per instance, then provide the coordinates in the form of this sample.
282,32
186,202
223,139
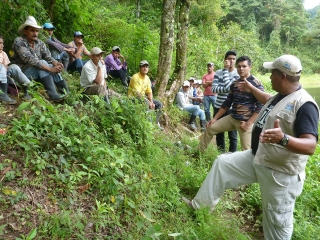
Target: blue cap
48,26
77,34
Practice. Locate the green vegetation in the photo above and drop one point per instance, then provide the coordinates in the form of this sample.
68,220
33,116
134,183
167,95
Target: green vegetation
81,170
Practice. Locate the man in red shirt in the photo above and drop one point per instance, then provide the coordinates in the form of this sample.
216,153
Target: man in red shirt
209,97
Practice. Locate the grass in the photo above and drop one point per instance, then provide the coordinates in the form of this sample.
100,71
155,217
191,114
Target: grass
83,171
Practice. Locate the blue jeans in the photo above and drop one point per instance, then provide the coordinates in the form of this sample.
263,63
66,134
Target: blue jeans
207,100
76,65
195,111
15,72
36,73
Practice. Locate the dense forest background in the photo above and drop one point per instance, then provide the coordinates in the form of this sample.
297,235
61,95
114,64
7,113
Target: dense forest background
79,170
261,29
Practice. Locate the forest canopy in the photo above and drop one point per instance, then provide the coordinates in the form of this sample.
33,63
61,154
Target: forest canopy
260,29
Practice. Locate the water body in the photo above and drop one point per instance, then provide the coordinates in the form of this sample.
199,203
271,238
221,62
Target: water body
315,93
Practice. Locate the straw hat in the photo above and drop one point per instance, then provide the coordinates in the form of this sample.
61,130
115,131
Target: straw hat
31,21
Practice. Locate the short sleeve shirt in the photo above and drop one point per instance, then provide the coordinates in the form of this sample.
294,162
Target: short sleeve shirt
89,73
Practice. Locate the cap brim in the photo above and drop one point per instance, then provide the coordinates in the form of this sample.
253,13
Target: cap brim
269,65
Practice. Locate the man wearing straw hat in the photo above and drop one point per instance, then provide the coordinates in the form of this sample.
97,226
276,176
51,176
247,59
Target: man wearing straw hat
34,59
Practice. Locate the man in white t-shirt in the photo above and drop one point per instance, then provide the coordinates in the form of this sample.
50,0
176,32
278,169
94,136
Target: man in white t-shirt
93,76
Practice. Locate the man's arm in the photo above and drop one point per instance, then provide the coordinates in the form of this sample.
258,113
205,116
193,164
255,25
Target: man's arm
112,63
261,96
217,116
303,144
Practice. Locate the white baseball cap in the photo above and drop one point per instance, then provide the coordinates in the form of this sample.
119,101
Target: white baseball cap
186,83
287,64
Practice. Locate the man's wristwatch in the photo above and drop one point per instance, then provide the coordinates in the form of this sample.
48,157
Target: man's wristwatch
284,141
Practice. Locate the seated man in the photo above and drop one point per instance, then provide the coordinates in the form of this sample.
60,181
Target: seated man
198,93
93,76
75,62
12,71
115,67
34,59
194,110
59,51
140,86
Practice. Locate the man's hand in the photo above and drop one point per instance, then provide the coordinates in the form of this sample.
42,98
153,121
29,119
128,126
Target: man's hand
227,64
151,105
56,69
245,86
245,125
211,122
273,135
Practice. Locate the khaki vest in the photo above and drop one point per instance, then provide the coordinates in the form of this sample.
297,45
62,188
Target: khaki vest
276,156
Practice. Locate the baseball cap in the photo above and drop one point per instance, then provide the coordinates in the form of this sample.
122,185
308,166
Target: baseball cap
96,51
210,63
48,26
143,62
116,48
186,83
198,82
191,79
77,34
287,64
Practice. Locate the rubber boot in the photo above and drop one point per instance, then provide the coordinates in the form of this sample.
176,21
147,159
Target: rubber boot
63,87
65,63
192,122
49,86
158,120
203,124
26,95
4,96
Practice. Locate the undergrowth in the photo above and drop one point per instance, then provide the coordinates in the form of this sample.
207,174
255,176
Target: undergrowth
85,170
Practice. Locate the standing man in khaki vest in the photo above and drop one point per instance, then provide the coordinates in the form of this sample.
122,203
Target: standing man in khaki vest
284,134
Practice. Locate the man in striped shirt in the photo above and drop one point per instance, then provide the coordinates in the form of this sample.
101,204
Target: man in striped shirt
245,109
221,85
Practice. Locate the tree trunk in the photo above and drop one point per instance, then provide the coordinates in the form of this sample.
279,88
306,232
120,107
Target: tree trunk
179,73
166,46
138,8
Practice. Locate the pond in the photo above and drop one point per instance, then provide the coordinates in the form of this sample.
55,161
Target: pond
315,93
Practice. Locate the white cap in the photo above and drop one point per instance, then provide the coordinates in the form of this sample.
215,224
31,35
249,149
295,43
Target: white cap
186,83
96,51
198,82
287,64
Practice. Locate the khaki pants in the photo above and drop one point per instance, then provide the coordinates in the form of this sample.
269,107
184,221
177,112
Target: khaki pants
225,124
278,190
101,91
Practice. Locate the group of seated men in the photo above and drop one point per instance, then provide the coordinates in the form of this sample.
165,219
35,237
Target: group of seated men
32,60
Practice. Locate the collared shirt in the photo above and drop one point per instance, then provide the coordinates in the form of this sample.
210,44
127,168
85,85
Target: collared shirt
243,104
89,73
114,63
139,85
27,56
